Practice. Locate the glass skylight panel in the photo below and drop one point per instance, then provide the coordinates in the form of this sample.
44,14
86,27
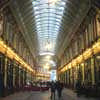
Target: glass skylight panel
41,16
46,25
48,15
54,22
50,30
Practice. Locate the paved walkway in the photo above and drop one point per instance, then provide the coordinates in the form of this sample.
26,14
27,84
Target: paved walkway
73,96
67,95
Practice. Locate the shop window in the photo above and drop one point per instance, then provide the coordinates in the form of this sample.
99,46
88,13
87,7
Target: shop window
94,29
9,74
2,64
73,49
76,48
66,56
2,61
88,75
68,52
1,25
87,38
79,72
11,35
17,75
97,68
24,77
98,25
90,32
14,42
80,44
5,28
21,76
69,76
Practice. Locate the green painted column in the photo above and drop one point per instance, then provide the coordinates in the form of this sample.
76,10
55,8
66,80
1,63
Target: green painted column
5,73
83,76
14,75
92,70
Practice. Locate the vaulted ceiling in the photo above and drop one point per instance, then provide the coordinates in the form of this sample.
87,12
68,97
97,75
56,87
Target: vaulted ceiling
47,25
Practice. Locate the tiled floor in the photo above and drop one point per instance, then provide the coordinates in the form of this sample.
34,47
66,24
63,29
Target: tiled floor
66,95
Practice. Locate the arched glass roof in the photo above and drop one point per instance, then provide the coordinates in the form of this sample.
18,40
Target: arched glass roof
48,15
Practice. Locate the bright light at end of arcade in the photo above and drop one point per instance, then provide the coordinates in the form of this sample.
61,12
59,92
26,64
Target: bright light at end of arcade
48,57
48,46
46,66
52,1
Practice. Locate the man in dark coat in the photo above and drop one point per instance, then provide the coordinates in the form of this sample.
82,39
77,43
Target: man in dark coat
59,87
53,88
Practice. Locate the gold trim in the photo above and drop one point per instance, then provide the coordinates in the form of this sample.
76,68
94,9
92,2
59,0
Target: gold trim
12,55
81,58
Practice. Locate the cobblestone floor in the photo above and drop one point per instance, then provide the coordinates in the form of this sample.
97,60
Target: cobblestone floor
66,95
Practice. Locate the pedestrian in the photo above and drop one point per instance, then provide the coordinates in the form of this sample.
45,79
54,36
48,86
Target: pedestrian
53,88
59,87
78,87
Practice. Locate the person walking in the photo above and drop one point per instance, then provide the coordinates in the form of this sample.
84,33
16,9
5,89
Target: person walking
53,88
78,87
59,87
